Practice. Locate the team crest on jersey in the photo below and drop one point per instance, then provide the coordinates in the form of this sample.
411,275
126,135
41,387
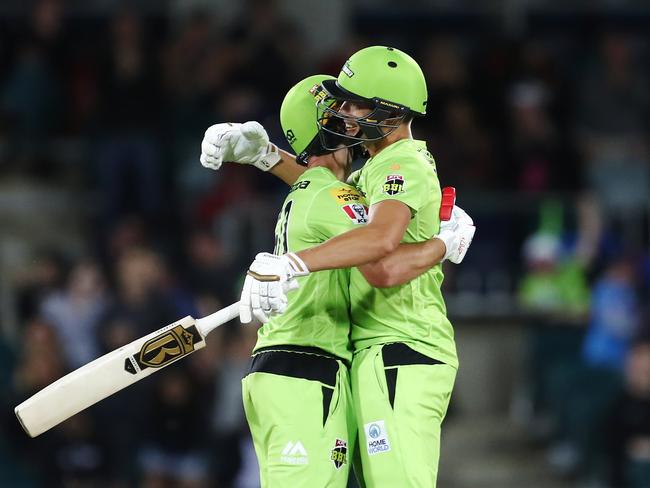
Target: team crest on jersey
358,213
393,185
339,455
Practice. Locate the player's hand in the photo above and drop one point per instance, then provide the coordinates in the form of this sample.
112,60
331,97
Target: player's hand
457,234
246,143
269,279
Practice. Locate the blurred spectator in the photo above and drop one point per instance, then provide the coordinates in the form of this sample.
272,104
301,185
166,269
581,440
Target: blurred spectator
629,423
210,269
141,305
261,52
614,317
535,146
613,113
196,65
128,163
41,360
45,275
588,392
555,295
75,313
463,148
233,448
176,433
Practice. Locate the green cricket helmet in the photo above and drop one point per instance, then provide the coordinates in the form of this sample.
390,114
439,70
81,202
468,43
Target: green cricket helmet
385,79
298,120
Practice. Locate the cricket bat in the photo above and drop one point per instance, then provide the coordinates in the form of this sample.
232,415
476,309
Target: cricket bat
116,370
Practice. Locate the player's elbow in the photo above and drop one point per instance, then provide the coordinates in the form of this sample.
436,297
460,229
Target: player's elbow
383,280
386,244
379,276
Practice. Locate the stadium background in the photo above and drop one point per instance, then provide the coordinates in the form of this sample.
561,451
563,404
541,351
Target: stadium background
110,228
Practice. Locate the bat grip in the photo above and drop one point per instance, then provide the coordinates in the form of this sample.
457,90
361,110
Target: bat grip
210,322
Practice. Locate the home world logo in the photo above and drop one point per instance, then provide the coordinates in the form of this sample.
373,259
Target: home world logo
376,438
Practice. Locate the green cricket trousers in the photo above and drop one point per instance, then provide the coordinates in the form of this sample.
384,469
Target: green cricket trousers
400,400
298,406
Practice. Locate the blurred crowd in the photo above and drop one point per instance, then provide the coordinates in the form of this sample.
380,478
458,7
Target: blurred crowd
545,136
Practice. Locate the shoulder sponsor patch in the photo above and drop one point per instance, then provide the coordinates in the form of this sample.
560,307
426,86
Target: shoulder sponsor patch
346,195
358,213
393,185
376,437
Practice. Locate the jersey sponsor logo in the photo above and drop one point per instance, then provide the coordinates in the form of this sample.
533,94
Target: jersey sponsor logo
346,195
393,185
294,453
357,212
339,455
376,437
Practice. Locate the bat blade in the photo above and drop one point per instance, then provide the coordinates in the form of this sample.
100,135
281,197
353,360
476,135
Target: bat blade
116,370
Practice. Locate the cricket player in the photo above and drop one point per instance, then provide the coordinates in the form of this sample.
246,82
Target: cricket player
405,361
297,394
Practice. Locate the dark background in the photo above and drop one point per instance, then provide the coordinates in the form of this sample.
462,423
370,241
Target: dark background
110,228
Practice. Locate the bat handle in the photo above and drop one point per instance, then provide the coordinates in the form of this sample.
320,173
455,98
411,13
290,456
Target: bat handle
210,322
447,202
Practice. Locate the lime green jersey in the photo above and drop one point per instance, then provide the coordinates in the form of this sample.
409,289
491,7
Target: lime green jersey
318,207
414,312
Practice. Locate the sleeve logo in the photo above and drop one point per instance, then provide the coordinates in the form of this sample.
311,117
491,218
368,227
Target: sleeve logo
394,184
358,213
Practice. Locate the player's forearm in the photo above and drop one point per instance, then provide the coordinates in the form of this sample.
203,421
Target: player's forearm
407,262
288,170
353,248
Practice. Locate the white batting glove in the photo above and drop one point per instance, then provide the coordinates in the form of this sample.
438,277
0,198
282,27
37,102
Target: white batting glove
457,234
246,143
269,279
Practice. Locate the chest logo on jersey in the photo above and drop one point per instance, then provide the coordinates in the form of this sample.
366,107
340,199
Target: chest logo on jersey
393,185
358,213
346,195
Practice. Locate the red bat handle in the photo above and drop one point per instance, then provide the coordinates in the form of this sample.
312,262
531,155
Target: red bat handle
447,202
